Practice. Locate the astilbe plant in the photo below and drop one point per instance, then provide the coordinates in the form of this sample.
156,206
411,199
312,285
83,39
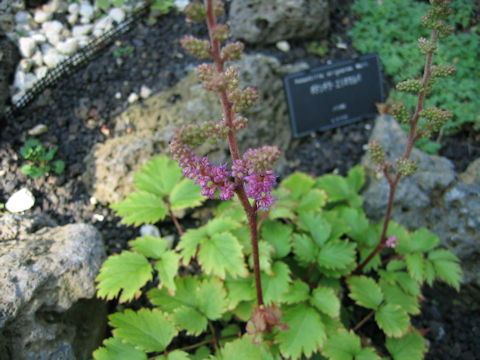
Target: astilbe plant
287,273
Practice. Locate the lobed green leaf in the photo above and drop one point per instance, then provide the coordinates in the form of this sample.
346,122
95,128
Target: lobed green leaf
140,208
158,176
274,286
325,300
298,183
409,347
185,194
336,254
278,235
393,320
167,268
115,349
365,291
342,345
150,246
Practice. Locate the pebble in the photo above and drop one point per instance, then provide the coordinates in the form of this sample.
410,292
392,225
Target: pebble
38,129
20,201
132,98
283,45
117,14
42,16
68,46
151,230
145,92
27,46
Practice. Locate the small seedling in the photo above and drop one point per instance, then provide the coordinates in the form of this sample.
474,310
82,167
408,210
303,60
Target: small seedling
318,48
39,159
127,50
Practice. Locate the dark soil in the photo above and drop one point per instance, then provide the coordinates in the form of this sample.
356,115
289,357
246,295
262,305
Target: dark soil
79,112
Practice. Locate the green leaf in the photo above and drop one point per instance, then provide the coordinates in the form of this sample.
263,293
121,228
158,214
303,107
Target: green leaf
338,224
276,285
356,178
395,295
423,240
50,154
190,319
158,176
306,333
408,283
239,289
264,253
336,254
325,300
242,349
149,330
221,253
442,254
367,354
402,235
126,272
116,349
150,246
298,183
338,189
298,291
342,345
319,228
174,355
429,272
185,194
314,200
167,268
393,320
186,294
212,298
278,235
449,272
396,265
304,249
415,266
202,353
189,242
58,166
410,347
140,208
357,222
219,225
365,291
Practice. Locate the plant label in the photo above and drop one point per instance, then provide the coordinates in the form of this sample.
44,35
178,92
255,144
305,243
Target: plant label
333,95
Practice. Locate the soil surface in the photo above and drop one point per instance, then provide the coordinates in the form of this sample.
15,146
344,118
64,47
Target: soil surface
79,112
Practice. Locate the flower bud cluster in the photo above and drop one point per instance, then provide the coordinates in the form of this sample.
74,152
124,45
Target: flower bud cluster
413,86
264,318
434,18
242,99
232,51
400,112
261,159
221,32
195,134
240,123
436,117
440,71
376,152
426,46
195,12
196,47
259,187
407,167
218,8
215,81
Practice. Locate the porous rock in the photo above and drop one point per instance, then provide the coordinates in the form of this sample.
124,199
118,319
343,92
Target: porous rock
434,197
269,21
110,166
47,304
9,57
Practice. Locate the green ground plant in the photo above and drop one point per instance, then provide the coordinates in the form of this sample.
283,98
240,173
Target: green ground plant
40,161
288,273
391,28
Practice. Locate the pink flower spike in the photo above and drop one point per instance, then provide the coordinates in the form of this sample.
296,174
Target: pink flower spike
392,242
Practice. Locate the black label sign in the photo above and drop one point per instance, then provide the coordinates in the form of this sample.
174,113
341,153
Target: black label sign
333,95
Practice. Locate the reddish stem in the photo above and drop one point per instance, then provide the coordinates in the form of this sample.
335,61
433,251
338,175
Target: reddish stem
228,116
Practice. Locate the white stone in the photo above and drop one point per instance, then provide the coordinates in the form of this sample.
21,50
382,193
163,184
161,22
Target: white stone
53,27
118,95
132,98
116,14
82,30
23,17
72,18
86,12
41,16
52,7
39,37
27,46
181,4
17,96
104,24
93,200
37,58
52,57
41,71
25,65
98,217
73,8
20,201
145,92
38,129
151,230
68,46
24,81
283,45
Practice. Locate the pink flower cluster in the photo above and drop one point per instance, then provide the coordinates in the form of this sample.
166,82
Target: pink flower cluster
259,187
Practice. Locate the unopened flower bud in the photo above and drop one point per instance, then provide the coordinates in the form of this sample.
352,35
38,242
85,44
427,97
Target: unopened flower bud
376,152
443,71
392,241
196,47
407,167
240,123
261,159
218,8
243,99
400,112
195,12
232,51
410,86
221,32
436,118
426,46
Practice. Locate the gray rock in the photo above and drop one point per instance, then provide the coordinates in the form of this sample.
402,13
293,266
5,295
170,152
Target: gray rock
269,21
435,197
47,304
111,165
9,57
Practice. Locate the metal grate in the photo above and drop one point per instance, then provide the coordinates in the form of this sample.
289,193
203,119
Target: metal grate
80,58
